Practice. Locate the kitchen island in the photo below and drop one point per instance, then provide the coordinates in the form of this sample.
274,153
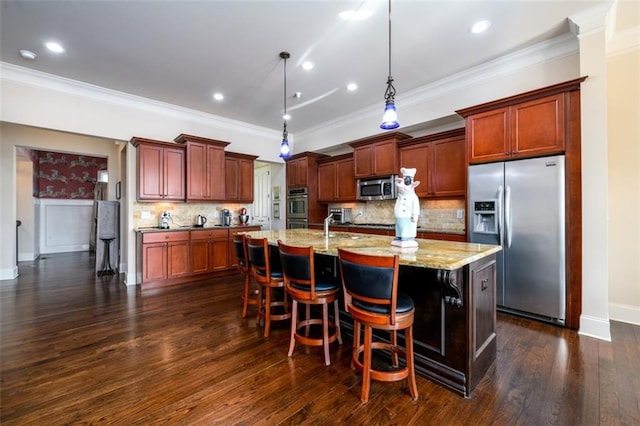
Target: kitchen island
453,286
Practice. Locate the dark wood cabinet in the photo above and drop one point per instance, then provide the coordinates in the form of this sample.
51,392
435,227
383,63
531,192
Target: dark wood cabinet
239,177
377,156
531,128
160,171
209,250
205,168
336,179
302,172
440,162
302,169
164,255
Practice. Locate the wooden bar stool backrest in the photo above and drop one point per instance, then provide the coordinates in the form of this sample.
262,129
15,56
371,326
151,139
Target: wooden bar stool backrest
371,282
259,259
298,269
240,249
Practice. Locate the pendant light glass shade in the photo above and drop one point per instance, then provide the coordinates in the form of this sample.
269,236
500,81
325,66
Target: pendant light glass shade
390,116
285,151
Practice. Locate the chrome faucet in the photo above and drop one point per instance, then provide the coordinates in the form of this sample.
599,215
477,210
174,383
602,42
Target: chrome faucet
327,220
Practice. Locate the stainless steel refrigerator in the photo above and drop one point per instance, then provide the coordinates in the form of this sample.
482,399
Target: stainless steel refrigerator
520,205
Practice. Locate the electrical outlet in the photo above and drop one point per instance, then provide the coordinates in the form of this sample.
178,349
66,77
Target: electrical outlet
459,214
145,215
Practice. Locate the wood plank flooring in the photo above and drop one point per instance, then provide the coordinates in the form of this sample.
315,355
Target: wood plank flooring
82,349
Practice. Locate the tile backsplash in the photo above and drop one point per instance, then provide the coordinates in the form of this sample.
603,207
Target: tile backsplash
184,214
435,215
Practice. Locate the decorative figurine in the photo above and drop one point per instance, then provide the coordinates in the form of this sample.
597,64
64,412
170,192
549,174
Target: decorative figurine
407,210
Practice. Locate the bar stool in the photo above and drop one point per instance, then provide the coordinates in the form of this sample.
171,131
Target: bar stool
249,295
371,297
267,272
300,282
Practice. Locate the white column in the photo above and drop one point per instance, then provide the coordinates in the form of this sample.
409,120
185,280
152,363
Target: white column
591,27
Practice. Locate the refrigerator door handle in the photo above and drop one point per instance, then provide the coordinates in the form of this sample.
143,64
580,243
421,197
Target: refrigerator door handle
507,213
500,215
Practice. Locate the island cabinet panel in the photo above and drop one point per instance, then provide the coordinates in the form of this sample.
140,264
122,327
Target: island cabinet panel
440,162
205,168
455,323
161,168
239,177
336,179
377,156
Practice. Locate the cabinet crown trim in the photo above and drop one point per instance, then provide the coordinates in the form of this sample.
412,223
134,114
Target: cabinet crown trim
566,86
239,155
378,138
183,138
455,133
135,141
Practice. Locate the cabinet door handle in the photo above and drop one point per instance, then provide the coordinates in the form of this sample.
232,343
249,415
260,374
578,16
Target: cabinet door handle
484,284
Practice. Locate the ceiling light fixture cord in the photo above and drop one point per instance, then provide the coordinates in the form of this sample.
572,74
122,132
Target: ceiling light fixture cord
390,116
285,151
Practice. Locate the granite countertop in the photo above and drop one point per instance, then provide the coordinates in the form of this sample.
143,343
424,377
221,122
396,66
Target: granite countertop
190,228
432,254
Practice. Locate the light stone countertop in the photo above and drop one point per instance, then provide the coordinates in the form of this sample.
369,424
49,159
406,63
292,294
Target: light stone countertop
434,254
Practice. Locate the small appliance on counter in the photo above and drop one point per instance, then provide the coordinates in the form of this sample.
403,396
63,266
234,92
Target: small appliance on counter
225,217
340,215
200,221
244,217
165,217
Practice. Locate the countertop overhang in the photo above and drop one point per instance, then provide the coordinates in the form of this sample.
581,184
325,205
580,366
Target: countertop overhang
144,229
434,254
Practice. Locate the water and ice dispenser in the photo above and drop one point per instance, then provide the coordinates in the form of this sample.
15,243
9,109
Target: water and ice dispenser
485,216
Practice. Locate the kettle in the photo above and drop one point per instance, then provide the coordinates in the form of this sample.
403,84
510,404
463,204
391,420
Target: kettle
201,220
244,217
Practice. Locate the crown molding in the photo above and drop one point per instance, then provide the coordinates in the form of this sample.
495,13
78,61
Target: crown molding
548,50
38,79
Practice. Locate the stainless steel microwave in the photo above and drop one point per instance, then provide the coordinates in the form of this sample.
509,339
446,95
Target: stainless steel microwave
379,188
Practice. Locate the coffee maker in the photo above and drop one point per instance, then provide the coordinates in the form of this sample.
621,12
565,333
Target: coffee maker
225,217
164,220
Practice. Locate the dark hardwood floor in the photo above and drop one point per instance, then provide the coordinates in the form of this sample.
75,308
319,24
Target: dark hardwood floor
77,348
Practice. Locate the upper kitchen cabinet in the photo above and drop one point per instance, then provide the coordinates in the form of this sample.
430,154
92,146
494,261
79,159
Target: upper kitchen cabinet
239,177
205,168
377,156
440,163
161,168
302,170
336,179
531,124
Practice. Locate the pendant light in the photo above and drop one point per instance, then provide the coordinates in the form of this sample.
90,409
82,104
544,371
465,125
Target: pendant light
390,116
285,151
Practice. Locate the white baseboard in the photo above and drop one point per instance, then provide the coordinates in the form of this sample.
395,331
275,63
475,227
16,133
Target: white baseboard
9,273
26,257
130,279
624,313
595,327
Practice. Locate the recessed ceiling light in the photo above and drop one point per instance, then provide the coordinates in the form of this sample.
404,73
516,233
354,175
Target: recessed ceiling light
297,95
352,86
307,65
355,15
218,96
27,54
55,47
480,27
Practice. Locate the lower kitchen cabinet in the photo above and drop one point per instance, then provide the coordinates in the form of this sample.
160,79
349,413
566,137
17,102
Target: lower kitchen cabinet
209,250
168,258
163,255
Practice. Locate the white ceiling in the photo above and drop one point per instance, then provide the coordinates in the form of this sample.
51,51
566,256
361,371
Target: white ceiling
181,52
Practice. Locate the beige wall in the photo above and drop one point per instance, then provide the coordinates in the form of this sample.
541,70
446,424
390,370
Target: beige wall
623,134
